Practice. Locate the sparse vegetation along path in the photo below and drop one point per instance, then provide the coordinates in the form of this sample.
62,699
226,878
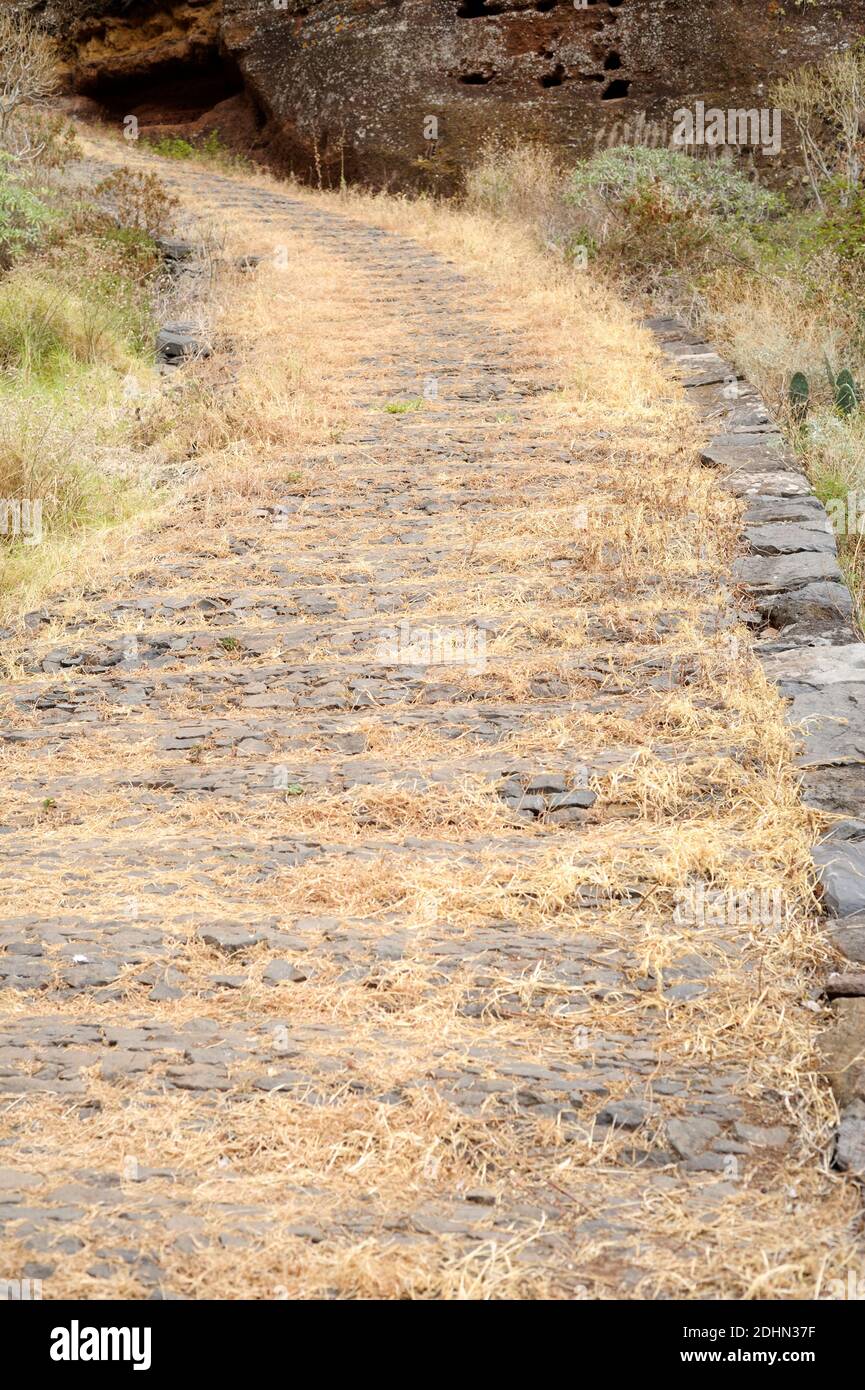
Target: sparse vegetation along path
347,813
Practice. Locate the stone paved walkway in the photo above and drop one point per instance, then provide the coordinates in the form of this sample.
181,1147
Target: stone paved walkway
345,847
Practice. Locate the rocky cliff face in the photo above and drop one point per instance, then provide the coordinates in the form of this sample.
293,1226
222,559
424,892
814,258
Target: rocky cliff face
405,91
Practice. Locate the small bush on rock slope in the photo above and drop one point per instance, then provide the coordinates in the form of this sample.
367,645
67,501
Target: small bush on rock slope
780,284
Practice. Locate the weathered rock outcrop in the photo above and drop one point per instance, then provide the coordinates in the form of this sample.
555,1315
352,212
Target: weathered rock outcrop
359,85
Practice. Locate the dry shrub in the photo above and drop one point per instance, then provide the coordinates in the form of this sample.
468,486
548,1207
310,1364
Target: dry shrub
827,106
39,453
28,76
524,184
138,199
53,139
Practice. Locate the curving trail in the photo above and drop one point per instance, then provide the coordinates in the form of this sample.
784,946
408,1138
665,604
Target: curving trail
343,833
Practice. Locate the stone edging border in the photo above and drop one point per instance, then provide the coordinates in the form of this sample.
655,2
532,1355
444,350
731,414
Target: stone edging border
808,646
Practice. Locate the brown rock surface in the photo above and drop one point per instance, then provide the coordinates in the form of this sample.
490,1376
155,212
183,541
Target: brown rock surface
358,80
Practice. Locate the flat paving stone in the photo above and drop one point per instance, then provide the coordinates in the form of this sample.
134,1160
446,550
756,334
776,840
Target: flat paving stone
321,935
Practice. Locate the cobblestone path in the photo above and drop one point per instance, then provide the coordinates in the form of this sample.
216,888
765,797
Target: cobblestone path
346,838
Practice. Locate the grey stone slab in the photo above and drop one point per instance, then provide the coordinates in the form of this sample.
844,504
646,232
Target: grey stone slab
690,349
732,406
837,787
547,782
817,668
231,938
829,725
581,798
749,419
769,574
705,369
806,634
762,511
180,339
748,453
691,1136
17,1180
822,602
768,482
624,1114
844,984
848,937
175,250
764,1136
850,1141
849,831
283,972
841,1049
791,537
198,1078
841,874
671,330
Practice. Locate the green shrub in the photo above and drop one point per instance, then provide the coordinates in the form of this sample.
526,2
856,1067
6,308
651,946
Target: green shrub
208,148
23,219
710,187
658,213
44,325
171,147
123,266
842,228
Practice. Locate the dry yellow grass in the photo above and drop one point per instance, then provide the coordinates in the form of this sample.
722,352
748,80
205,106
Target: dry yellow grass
699,788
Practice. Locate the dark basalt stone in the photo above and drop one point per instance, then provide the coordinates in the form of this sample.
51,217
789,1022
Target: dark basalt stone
176,341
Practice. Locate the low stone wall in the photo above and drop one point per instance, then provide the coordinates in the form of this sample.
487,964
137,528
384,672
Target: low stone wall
802,614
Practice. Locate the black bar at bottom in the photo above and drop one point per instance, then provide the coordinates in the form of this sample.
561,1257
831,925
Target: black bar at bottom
227,1340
